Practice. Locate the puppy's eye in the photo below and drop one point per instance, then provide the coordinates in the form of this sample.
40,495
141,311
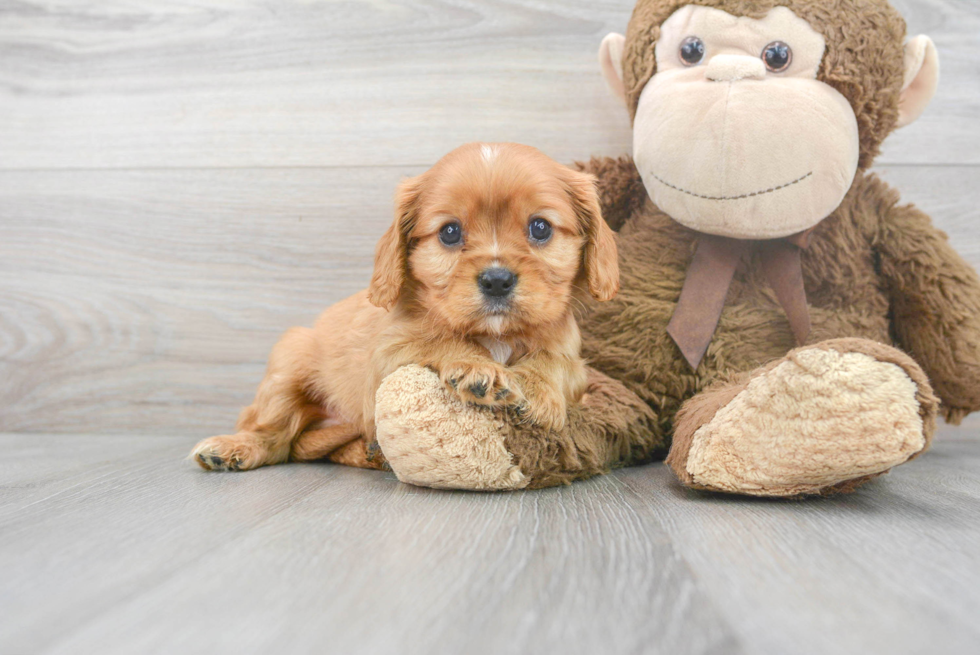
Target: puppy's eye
778,56
692,51
451,234
539,231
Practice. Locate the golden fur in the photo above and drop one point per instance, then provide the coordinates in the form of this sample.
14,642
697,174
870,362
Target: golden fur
424,306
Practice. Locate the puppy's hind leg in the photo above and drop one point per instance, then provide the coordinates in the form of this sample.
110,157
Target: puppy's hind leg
317,443
282,409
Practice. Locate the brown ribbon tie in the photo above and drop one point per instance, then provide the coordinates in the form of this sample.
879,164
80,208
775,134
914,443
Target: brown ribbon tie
710,275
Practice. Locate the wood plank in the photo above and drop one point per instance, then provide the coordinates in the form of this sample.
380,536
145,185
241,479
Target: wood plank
949,195
147,301
301,83
364,82
158,556
890,569
139,301
69,552
155,555
36,466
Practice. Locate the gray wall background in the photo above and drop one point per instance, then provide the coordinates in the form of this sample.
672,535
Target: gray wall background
182,181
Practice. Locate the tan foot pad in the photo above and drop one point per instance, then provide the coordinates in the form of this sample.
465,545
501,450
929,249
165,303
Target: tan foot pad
819,418
431,439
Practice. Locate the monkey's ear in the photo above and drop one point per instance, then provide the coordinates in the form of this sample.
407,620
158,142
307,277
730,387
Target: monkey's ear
391,255
600,258
611,60
921,79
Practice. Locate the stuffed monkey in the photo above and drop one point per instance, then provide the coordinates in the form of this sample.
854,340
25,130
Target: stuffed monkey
784,326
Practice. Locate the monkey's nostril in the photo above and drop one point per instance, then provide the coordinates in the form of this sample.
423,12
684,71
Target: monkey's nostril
496,282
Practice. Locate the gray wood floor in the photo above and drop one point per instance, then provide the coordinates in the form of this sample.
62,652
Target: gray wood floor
113,544
182,181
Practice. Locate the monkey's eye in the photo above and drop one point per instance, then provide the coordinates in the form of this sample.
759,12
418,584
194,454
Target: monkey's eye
778,56
539,231
451,234
692,51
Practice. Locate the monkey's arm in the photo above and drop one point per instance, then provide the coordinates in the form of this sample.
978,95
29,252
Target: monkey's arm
935,304
621,191
431,441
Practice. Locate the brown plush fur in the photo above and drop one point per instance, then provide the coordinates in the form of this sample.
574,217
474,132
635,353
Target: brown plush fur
873,270
609,428
426,306
864,59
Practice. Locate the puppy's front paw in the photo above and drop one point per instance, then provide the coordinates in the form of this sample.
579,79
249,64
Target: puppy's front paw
234,452
480,382
543,404
547,412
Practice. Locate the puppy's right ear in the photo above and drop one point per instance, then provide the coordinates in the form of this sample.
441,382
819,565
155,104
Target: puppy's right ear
391,256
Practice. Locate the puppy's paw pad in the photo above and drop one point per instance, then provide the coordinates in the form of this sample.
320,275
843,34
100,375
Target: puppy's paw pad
213,462
479,383
479,389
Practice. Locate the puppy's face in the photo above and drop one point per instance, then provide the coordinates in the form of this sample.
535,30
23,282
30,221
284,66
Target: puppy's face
494,240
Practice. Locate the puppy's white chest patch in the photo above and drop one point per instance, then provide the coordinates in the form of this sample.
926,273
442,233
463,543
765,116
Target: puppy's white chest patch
499,350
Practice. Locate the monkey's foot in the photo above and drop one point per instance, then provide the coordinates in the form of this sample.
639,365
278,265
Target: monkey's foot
431,439
824,419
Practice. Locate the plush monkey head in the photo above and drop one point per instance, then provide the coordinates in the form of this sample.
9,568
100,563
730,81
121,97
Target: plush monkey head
752,117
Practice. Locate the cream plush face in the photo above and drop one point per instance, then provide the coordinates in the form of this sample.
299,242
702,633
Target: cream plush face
730,147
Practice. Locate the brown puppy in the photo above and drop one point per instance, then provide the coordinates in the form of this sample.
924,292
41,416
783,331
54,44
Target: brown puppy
475,279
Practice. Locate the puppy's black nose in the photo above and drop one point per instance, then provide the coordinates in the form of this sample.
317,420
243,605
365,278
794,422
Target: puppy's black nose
496,282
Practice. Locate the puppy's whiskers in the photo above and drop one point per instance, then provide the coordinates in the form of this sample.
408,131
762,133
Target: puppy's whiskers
578,305
424,326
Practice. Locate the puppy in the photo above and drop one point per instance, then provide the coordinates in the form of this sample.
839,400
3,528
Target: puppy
475,279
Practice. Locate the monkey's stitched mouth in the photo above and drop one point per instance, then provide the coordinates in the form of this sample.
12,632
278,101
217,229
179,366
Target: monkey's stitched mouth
741,197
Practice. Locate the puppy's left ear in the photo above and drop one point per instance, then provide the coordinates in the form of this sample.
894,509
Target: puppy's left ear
600,258
391,255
